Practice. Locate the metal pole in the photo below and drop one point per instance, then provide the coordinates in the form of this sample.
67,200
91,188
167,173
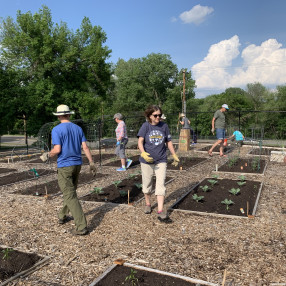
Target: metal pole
184,92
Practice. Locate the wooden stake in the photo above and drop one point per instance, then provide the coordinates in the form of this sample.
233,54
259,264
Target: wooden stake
128,196
46,190
224,277
247,208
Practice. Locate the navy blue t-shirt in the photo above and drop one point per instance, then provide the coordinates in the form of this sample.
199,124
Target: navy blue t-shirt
155,138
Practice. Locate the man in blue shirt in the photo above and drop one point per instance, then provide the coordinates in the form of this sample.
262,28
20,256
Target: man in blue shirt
68,138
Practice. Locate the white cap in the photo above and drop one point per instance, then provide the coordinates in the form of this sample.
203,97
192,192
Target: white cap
225,106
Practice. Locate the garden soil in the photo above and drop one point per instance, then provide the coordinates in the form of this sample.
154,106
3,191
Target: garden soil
252,251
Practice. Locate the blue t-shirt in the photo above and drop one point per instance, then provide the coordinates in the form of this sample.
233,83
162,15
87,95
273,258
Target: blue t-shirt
238,135
70,136
155,138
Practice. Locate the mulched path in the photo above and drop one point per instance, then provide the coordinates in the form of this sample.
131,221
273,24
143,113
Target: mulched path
13,261
263,151
185,163
216,149
211,203
119,194
23,176
119,274
53,186
251,165
5,170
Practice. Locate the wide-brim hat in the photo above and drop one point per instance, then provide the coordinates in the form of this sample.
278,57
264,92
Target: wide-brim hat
63,110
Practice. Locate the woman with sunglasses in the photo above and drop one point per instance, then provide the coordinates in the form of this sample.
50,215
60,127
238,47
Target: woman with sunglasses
153,138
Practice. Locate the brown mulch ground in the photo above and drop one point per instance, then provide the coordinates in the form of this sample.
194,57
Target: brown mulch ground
252,251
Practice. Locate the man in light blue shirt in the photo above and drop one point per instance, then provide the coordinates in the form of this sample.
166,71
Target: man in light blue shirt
238,136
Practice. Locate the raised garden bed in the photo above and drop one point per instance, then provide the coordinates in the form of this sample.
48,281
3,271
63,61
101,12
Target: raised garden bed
130,274
117,163
6,170
226,149
24,176
185,163
118,191
263,151
15,263
211,200
240,165
52,187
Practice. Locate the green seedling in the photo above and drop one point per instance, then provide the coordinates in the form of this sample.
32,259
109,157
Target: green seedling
6,253
130,176
138,185
241,183
123,193
133,279
97,190
197,198
212,182
255,164
234,191
205,188
227,203
215,176
241,178
116,183
232,161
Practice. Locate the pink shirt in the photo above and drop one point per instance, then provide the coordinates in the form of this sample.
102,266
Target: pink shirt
121,130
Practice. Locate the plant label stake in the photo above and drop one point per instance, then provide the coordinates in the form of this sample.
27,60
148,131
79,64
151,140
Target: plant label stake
216,167
128,196
46,196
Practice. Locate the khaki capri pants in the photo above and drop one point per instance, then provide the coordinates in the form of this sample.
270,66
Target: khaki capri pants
147,176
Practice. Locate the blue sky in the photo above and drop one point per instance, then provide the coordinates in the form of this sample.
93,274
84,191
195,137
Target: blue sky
225,43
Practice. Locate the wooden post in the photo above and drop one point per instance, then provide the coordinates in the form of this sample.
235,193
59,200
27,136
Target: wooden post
128,196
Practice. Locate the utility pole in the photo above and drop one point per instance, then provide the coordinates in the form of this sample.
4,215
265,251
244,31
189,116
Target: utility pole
184,92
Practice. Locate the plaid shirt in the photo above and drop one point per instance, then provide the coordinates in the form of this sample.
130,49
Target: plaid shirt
121,131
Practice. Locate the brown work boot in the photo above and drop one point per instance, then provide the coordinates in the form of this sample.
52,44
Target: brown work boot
80,232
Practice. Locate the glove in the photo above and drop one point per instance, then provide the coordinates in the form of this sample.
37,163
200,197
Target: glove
213,130
92,168
176,160
45,157
117,143
146,157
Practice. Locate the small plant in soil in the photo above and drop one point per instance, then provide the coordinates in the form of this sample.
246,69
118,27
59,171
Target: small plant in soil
116,183
197,198
138,185
205,188
232,161
241,183
131,176
132,277
123,193
6,253
215,176
241,178
212,182
255,164
234,191
227,203
97,191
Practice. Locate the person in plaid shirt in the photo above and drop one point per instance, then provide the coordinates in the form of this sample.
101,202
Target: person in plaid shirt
122,139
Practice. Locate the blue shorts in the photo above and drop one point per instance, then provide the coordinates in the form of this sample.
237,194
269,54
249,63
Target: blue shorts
220,133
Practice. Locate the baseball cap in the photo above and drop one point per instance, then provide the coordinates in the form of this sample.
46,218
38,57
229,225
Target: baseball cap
225,106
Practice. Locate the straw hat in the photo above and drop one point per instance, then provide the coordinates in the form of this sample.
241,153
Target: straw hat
63,110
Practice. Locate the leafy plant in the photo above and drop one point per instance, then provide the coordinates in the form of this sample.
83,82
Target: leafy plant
133,279
232,161
6,253
97,190
116,183
255,164
241,183
138,185
215,176
234,191
212,182
130,176
227,203
123,193
241,178
205,188
197,198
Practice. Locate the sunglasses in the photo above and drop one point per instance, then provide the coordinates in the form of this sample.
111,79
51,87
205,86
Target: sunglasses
156,115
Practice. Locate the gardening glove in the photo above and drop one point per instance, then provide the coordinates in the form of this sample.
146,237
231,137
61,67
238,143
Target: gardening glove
92,168
45,157
146,157
176,160
213,130
117,143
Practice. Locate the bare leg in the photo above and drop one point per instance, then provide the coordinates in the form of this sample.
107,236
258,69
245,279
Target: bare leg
147,199
160,201
214,145
123,162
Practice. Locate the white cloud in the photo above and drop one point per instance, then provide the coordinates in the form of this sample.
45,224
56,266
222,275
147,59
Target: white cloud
265,64
196,15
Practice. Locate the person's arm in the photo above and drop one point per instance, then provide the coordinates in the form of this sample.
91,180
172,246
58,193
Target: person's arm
213,121
146,156
55,151
140,144
87,152
182,122
231,137
171,147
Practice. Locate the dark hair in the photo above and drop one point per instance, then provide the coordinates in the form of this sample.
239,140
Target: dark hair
150,109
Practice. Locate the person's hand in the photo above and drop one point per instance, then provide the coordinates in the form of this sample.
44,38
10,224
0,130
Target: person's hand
92,168
45,157
117,143
176,160
146,156
213,130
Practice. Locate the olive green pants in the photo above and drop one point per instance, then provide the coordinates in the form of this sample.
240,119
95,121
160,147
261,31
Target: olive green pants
68,179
